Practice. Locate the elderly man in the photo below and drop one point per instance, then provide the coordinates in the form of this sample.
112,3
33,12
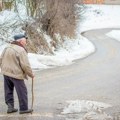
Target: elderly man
15,67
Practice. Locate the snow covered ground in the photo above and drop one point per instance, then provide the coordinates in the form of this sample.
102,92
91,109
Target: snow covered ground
115,34
100,16
95,17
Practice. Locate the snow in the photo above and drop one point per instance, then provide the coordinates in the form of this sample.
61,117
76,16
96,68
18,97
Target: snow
100,16
94,17
22,12
115,34
7,16
87,110
79,106
64,56
8,22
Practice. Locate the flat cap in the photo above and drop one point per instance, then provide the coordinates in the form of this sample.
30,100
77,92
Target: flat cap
19,36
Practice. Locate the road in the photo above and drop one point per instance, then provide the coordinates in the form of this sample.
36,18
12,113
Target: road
96,77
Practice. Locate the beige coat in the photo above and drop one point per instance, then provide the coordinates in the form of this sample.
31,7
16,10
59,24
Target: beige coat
14,62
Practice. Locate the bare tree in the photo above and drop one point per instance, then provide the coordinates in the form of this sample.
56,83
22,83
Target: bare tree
60,18
51,17
7,4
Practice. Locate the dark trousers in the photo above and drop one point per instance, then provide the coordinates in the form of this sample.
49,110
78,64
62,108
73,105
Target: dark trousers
9,84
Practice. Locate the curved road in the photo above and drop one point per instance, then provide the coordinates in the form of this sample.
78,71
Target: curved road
96,77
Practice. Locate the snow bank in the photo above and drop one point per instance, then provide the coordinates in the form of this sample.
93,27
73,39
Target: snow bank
115,34
72,50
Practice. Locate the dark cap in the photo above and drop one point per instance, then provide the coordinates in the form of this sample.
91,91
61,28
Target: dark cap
19,36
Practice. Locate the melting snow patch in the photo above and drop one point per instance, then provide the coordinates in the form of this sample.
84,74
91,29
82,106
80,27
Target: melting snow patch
90,110
97,116
78,106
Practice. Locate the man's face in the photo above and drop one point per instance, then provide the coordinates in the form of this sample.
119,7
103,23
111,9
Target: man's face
23,41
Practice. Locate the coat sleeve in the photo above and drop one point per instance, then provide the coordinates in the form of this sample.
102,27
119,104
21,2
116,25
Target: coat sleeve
24,64
1,56
0,60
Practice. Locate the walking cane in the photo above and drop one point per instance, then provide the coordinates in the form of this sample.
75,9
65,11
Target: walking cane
32,94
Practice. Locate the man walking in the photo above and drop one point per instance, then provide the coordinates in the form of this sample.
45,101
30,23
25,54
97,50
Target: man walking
15,67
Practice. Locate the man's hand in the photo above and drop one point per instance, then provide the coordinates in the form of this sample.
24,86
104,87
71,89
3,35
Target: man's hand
33,76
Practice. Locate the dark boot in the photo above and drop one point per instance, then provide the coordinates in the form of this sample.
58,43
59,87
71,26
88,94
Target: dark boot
11,108
26,111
